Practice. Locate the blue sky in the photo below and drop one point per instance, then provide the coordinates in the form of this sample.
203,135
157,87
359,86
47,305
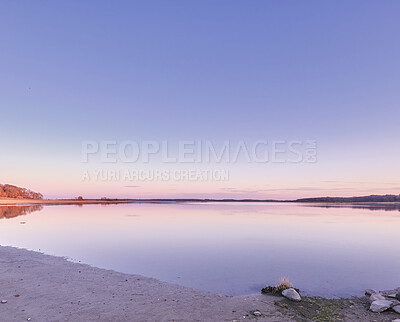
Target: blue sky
206,70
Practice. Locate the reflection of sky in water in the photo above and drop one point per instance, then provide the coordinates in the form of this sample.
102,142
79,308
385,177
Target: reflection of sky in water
225,248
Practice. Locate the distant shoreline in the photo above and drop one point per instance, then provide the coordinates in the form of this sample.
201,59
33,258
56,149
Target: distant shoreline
332,201
21,202
13,195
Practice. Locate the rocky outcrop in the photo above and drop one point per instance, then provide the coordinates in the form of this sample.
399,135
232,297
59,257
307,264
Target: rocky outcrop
379,306
383,301
376,297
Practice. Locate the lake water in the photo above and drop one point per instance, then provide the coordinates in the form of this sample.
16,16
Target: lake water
229,248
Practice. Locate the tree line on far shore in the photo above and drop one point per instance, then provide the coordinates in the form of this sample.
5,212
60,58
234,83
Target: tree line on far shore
372,198
10,191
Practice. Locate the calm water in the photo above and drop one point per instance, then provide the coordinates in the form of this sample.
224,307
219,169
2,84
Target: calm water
225,248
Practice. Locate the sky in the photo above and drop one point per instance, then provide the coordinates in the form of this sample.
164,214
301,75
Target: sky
208,71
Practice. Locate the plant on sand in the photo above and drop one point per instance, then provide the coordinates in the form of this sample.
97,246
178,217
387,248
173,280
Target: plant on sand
283,284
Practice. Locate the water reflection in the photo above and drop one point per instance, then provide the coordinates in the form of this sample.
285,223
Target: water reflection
230,248
15,211
369,206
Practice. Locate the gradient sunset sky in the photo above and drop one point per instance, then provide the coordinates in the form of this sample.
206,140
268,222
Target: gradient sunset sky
327,71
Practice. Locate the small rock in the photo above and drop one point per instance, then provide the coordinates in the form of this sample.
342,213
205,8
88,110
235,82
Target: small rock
370,291
257,313
396,308
398,296
291,294
393,296
375,297
395,302
397,320
3,301
380,306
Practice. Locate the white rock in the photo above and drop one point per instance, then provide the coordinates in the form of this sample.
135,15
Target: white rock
396,308
375,297
380,306
397,320
370,291
3,301
257,313
291,294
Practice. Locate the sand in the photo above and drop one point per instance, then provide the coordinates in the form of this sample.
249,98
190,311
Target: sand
21,202
54,289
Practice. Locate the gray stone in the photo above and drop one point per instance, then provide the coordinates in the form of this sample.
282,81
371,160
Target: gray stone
257,313
370,291
398,296
396,308
375,297
291,294
3,301
397,320
380,306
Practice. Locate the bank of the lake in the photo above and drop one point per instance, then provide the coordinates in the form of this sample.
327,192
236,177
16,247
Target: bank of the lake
59,202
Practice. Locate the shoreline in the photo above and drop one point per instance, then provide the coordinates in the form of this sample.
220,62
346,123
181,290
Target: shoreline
22,202
50,202
51,288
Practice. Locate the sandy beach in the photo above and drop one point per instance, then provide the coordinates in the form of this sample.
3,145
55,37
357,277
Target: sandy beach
16,202
54,289
39,287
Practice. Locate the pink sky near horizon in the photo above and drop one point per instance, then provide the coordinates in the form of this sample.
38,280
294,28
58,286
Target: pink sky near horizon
65,187
345,172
